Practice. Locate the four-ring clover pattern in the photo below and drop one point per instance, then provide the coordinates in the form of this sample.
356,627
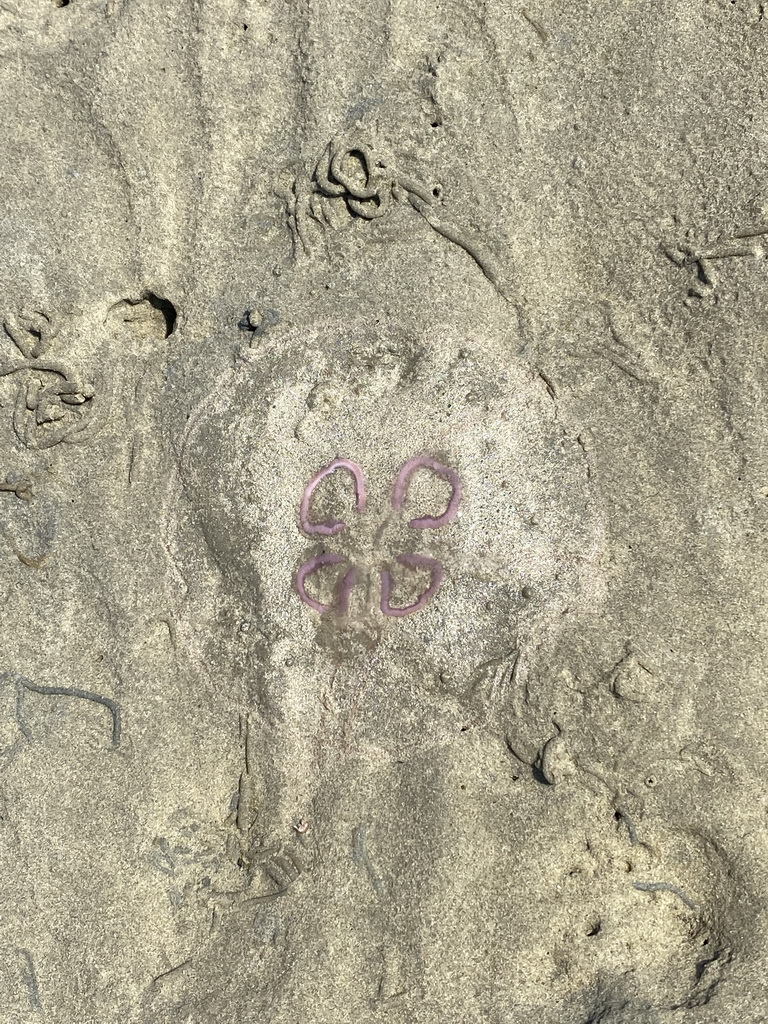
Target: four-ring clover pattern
330,527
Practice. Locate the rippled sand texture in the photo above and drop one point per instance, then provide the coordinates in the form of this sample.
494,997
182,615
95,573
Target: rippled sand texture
383,491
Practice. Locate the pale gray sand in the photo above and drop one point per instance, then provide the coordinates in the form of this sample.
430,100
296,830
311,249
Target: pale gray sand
494,751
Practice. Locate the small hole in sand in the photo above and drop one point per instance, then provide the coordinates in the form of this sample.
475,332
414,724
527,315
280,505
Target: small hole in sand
165,308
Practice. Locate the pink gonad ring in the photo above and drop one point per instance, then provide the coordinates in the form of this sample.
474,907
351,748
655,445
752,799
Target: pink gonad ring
343,589
331,526
414,562
400,491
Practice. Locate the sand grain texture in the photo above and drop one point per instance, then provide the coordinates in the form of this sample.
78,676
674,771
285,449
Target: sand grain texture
242,239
